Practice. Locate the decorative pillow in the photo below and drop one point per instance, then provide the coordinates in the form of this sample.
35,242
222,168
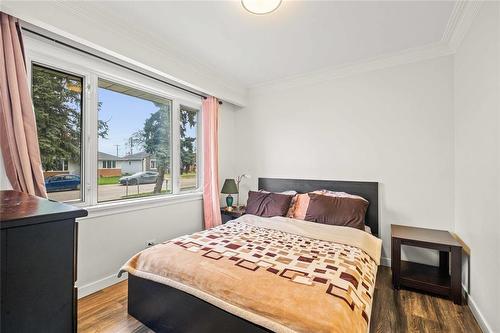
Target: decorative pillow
298,207
333,210
267,204
289,213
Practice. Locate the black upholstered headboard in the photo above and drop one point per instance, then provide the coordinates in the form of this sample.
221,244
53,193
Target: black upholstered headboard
367,190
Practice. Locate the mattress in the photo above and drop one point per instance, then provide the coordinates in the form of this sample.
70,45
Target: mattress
283,274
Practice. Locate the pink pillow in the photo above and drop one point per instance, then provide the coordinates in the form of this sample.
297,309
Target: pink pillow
299,209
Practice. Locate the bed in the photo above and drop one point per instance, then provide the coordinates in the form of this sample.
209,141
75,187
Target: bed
258,274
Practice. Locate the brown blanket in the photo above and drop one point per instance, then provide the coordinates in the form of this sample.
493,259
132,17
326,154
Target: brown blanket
273,272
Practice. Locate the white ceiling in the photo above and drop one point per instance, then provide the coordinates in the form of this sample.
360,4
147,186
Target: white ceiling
300,37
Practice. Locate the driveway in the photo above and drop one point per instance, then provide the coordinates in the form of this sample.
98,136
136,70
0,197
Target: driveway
116,191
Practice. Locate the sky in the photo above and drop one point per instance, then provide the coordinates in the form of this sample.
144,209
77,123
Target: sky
125,115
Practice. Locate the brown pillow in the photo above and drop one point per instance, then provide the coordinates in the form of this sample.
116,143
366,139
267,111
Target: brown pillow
267,204
341,211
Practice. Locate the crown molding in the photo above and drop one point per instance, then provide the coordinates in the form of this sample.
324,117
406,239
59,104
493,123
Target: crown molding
461,18
331,73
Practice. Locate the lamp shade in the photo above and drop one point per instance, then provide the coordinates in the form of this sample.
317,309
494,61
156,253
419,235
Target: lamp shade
229,187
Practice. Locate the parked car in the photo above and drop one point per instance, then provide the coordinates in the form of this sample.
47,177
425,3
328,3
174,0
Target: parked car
144,177
62,183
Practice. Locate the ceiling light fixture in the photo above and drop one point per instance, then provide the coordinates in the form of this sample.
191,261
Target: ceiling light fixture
260,7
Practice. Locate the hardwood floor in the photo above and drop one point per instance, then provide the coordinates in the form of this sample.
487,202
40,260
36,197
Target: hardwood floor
409,311
403,311
106,311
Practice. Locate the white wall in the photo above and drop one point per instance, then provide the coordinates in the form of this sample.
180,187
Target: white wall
477,153
4,181
105,243
227,146
393,126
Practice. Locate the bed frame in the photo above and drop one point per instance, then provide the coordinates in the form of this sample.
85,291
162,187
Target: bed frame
166,309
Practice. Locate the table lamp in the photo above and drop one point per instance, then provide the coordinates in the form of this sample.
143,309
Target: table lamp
229,188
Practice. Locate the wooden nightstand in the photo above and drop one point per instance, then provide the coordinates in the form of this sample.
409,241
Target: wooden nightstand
428,278
231,215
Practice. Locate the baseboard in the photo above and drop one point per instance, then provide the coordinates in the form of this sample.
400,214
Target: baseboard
384,261
483,324
100,284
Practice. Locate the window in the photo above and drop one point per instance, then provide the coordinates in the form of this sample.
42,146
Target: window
139,123
60,165
109,164
188,147
106,133
57,100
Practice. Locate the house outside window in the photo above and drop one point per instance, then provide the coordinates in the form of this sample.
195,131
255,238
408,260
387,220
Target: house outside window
60,165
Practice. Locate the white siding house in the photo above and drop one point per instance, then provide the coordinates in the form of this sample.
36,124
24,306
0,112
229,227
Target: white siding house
133,163
131,166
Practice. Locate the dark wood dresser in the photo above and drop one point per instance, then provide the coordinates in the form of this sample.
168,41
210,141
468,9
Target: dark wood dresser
38,249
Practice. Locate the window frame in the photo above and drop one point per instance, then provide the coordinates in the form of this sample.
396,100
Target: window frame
61,65
199,146
63,59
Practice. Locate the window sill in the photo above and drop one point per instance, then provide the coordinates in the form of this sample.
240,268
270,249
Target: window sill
120,207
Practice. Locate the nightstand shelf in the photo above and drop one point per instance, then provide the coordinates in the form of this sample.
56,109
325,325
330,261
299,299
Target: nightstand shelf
425,277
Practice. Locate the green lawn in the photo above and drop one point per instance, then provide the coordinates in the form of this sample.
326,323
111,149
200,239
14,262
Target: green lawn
188,175
115,179
108,180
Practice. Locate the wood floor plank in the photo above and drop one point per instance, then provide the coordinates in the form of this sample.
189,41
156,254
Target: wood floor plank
393,311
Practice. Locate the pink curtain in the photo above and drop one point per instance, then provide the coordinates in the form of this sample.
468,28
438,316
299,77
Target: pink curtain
210,123
18,133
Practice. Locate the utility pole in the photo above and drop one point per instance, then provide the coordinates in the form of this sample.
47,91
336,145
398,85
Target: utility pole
117,150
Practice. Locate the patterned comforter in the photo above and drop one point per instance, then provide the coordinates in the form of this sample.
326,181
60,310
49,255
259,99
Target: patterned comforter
283,274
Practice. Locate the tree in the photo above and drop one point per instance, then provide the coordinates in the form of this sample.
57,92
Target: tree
102,126
57,100
188,148
155,138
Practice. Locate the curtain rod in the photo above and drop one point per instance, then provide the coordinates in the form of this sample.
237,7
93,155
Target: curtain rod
115,63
